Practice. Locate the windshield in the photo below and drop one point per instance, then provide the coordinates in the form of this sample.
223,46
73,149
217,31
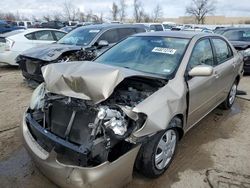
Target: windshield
80,36
155,55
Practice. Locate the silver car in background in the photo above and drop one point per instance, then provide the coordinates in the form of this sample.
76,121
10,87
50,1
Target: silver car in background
90,123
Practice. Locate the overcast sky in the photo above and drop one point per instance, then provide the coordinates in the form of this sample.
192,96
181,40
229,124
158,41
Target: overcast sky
171,8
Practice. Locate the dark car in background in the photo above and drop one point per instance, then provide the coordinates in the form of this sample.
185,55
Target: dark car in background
83,43
5,27
53,25
240,39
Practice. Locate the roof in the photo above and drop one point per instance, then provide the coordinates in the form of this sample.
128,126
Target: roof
174,34
109,26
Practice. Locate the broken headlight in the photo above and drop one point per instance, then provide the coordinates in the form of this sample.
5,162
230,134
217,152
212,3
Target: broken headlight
37,97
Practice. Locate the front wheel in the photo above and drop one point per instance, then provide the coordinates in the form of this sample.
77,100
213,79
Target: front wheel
228,103
156,155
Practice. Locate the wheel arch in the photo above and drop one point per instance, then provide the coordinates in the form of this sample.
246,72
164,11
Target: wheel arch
179,125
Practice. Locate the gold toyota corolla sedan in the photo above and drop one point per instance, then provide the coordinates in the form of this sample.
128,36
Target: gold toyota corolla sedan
90,123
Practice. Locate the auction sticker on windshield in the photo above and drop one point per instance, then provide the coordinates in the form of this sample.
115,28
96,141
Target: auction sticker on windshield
164,50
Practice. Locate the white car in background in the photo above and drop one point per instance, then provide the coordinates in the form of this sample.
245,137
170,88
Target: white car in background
14,43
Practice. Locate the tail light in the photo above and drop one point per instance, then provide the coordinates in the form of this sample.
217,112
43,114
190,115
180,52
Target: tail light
9,44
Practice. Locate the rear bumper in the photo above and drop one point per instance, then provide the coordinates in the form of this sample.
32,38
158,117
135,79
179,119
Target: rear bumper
108,174
9,57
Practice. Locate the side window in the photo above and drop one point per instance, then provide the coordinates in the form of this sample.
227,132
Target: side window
202,54
44,35
152,27
111,36
21,23
125,32
29,36
222,50
59,35
140,30
158,28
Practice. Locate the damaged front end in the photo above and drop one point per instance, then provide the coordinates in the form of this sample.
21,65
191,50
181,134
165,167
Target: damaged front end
31,64
86,134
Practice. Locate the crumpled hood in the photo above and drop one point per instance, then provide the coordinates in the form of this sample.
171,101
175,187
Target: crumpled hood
85,80
49,52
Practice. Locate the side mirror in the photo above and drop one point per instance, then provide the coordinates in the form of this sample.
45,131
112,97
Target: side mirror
201,70
103,43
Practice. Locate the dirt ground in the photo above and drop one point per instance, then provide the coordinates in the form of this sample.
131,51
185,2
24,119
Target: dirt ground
215,153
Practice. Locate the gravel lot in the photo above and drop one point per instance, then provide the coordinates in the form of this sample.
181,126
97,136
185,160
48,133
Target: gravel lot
215,153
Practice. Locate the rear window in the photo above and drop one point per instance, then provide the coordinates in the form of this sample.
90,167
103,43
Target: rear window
29,36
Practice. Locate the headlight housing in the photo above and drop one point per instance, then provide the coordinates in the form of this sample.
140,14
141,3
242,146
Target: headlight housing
37,98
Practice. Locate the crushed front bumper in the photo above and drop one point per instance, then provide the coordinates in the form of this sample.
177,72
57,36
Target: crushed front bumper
108,174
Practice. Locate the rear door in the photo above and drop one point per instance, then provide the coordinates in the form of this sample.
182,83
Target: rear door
226,67
202,90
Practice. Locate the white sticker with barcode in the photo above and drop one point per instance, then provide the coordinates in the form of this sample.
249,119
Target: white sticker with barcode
164,50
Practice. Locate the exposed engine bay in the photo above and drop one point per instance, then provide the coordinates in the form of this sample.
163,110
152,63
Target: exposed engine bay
88,134
81,55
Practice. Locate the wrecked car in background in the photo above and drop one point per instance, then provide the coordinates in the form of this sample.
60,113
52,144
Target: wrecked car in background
90,123
13,43
240,39
83,43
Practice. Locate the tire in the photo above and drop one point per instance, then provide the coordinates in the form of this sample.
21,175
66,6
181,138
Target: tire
146,162
228,103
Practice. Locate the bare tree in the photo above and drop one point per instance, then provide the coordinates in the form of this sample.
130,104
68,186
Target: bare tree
81,16
57,16
200,9
70,11
122,11
114,11
47,18
138,11
157,13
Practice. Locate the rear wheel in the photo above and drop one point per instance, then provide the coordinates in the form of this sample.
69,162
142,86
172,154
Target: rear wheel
156,155
228,103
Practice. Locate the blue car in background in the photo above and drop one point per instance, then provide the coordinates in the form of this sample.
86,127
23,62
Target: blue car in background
5,27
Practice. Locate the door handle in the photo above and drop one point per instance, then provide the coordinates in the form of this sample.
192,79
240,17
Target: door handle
234,65
216,74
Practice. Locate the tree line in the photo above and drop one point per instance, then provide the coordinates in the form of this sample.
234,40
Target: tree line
198,9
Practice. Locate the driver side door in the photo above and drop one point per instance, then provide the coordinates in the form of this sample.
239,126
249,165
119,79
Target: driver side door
202,89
